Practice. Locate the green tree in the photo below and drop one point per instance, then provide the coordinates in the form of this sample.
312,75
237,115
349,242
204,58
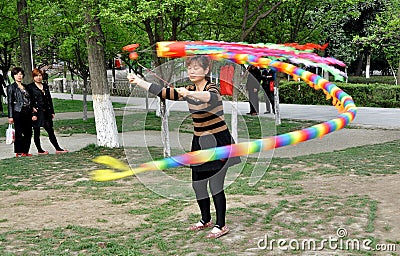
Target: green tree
8,36
385,35
25,39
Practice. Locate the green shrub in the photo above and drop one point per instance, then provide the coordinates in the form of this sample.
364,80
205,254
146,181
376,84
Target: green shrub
372,80
364,95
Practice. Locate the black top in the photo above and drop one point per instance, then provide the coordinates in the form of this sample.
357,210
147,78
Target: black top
18,99
41,99
42,102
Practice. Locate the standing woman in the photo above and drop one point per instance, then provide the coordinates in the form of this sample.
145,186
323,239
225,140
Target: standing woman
42,104
253,86
210,130
20,113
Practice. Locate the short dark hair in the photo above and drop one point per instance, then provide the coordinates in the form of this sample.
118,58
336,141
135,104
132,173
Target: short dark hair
16,70
202,60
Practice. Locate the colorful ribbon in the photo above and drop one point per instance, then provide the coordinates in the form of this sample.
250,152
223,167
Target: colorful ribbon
239,53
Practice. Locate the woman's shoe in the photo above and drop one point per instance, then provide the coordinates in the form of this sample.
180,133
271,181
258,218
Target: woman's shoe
200,226
43,153
62,151
26,154
18,154
217,232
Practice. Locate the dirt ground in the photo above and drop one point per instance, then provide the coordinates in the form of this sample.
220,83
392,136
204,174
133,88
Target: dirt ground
47,209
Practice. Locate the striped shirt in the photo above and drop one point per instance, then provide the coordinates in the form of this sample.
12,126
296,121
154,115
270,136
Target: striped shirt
208,117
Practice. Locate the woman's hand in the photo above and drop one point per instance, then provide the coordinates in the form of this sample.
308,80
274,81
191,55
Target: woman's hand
34,118
183,92
10,120
133,79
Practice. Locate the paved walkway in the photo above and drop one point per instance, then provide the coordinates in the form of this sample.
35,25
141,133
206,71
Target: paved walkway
385,118
377,125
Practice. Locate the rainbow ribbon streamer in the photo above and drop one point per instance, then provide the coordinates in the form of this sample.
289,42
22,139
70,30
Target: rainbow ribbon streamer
242,54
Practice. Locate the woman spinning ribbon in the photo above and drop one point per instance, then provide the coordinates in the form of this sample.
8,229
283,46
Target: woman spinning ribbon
213,149
210,131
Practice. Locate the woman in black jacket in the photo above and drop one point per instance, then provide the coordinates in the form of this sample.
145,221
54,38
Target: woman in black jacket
20,113
42,104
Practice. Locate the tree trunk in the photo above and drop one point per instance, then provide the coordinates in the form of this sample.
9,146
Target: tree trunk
236,85
276,99
84,101
359,66
24,35
164,128
398,74
368,66
106,128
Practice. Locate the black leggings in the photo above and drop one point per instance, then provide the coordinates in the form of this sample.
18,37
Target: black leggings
269,99
23,131
200,180
50,131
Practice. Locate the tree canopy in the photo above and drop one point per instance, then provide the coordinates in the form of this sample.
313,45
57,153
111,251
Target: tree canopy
353,28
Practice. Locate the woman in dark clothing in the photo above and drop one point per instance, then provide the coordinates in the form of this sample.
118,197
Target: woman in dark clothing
20,113
210,130
268,85
44,111
253,86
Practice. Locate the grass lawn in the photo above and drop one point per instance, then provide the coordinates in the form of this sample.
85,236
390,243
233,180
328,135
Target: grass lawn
129,219
62,106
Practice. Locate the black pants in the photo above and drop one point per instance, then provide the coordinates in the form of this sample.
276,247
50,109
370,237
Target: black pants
269,99
52,137
23,131
200,181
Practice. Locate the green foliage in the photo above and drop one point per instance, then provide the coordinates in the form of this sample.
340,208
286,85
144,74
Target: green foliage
364,95
388,80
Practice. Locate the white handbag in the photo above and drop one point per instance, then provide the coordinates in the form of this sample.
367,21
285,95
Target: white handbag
10,134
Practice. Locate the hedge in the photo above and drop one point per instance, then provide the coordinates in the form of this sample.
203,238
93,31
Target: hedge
364,95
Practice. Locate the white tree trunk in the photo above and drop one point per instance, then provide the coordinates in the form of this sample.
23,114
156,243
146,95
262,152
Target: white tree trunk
106,127
164,128
276,99
368,66
236,85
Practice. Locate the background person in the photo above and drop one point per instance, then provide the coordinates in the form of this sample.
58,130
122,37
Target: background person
210,130
253,86
268,85
20,113
42,104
